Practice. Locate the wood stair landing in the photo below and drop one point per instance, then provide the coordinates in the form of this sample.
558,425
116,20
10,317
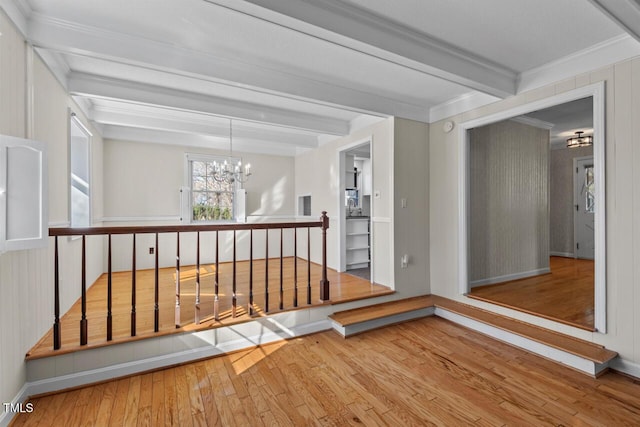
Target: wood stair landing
358,320
584,356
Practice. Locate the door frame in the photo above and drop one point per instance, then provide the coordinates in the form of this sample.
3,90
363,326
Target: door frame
597,91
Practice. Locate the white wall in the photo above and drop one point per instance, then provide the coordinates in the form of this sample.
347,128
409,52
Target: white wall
317,173
26,277
142,182
622,194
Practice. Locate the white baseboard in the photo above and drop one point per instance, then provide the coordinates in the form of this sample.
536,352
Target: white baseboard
626,367
21,397
568,359
508,277
562,254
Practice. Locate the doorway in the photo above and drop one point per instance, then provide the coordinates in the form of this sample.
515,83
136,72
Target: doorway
355,207
584,199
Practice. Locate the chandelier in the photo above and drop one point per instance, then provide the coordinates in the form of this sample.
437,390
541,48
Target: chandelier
229,171
579,140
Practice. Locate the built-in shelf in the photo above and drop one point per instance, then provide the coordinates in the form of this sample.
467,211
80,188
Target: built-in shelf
357,242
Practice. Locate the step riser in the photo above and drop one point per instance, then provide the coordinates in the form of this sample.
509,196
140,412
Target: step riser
584,365
347,331
91,366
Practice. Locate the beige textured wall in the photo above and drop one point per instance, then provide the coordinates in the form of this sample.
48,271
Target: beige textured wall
411,224
622,82
508,201
562,209
26,277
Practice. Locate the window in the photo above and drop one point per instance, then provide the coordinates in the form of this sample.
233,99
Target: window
210,199
80,194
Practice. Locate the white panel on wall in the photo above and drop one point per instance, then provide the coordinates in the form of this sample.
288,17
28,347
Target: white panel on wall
23,194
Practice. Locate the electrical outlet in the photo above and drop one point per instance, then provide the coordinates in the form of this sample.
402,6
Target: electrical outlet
152,251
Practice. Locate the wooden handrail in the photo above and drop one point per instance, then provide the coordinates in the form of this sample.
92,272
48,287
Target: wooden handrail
96,231
323,224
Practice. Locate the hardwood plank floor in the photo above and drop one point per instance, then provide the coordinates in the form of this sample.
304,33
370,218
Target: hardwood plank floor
343,288
565,295
424,372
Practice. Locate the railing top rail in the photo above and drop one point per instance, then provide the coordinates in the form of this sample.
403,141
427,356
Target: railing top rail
92,231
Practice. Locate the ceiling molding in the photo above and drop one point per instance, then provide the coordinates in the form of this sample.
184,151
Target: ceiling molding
219,67
108,88
18,12
198,124
530,121
466,102
387,40
240,146
625,13
597,56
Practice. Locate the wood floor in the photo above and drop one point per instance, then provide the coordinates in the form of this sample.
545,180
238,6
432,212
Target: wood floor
425,372
565,295
343,288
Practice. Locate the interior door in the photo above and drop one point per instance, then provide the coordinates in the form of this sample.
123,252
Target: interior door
584,198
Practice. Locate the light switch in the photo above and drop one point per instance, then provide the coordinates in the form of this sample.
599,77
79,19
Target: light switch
403,202
376,194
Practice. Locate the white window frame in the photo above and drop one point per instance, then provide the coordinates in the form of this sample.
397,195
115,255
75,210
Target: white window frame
75,121
237,214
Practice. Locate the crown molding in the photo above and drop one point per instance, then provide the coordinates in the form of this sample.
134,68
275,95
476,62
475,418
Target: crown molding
18,12
463,103
358,29
597,56
625,13
530,121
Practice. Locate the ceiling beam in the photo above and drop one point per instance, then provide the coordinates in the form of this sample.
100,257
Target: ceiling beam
123,133
198,124
73,38
625,13
89,85
378,36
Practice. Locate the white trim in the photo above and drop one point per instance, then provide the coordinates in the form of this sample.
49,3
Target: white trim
140,218
611,51
626,366
508,277
565,358
562,254
381,219
530,121
466,102
21,397
597,91
59,224
18,12
109,372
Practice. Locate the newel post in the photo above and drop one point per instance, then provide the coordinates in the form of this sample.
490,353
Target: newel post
324,282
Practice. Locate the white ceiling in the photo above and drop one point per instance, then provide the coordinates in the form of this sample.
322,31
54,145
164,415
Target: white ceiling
294,73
